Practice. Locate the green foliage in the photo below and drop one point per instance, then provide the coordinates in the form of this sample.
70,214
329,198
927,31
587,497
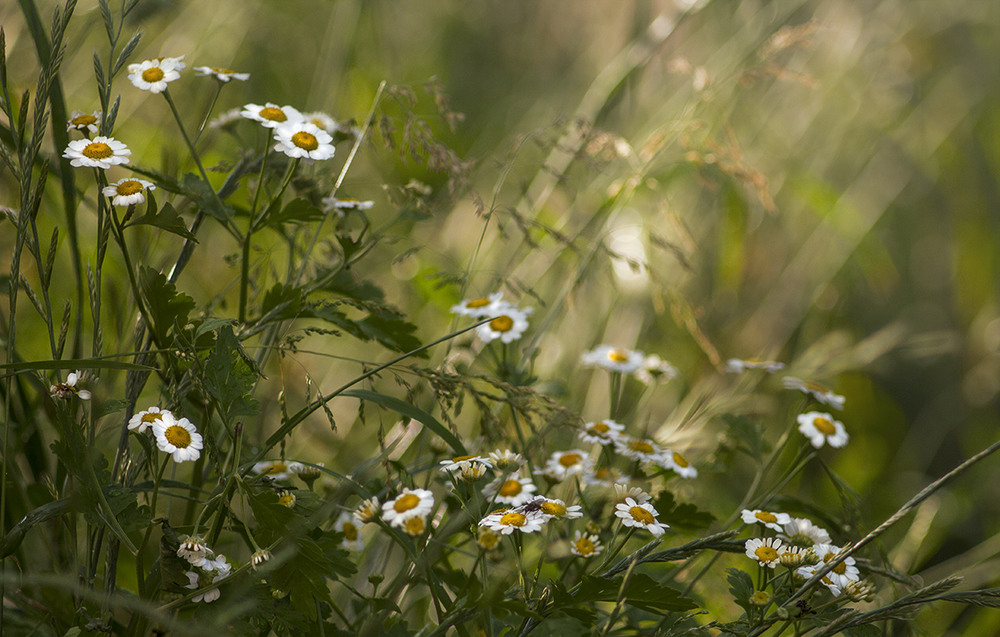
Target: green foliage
230,376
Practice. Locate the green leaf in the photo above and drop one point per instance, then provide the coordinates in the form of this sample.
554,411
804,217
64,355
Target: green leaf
681,515
415,413
166,219
204,197
230,376
284,301
304,574
741,586
749,433
48,511
296,211
273,518
167,307
641,591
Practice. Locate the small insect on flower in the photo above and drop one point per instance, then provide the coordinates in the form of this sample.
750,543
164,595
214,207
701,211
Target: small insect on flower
147,418
69,389
271,115
508,324
223,75
585,545
614,359
767,551
100,152
128,192
640,515
78,120
179,438
767,518
304,140
153,75
817,391
821,428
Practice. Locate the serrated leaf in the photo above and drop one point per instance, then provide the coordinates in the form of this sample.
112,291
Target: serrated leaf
230,376
295,211
165,219
204,197
681,515
167,307
282,302
741,586
641,591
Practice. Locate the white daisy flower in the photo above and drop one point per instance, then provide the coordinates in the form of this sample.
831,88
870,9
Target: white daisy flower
411,503
100,152
803,533
842,574
602,432
178,437
69,389
488,540
306,472
767,551
226,118
78,120
655,370
767,518
286,498
605,477
322,120
514,490
367,511
508,325
194,550
563,464
585,545
553,508
738,365
302,139
819,427
455,464
128,192
153,75
221,569
624,492
352,535
817,391
478,307
678,463
506,522
147,418
639,449
506,459
271,115
223,75
640,515
340,205
274,469
615,359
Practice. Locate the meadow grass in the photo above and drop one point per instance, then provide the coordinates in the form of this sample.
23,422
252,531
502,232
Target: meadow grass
434,320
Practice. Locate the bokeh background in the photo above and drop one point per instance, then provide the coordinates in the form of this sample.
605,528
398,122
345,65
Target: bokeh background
817,182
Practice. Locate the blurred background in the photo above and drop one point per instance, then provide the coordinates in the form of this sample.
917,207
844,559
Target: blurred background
817,182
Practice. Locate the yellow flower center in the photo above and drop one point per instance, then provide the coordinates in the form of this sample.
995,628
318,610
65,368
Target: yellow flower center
223,71
152,416
600,428
406,502
488,539
511,488
765,517
513,519
128,187
680,460
152,74
350,532
618,356
461,458
839,569
641,446
584,547
275,468
305,141
414,526
178,436
97,150
502,324
816,387
287,500
273,114
569,459
553,508
765,554
824,426
639,514
82,121
474,303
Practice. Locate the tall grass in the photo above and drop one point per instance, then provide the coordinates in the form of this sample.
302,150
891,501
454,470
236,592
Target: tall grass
812,183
